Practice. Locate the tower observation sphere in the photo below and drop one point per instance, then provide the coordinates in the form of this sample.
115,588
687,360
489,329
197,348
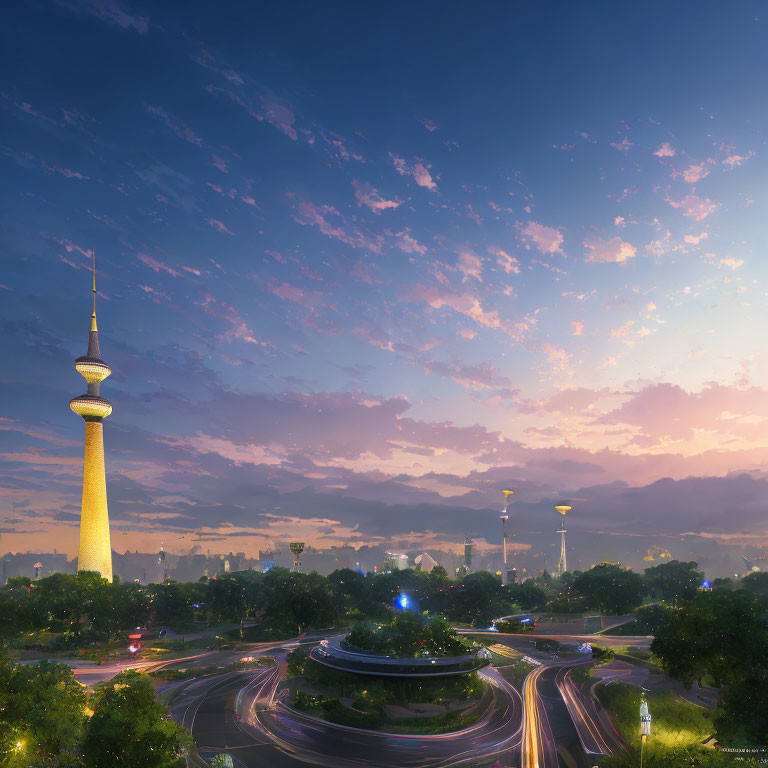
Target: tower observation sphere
95,552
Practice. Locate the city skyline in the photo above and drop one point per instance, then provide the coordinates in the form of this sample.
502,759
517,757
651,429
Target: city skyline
354,310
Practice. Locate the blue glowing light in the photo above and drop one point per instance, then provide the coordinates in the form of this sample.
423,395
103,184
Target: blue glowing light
525,620
706,584
402,602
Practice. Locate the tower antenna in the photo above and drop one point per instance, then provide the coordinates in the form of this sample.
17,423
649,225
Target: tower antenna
93,274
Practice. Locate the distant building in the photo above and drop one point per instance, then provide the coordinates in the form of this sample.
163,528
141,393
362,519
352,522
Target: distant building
394,561
425,561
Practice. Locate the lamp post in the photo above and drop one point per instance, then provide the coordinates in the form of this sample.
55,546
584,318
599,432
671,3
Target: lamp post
645,726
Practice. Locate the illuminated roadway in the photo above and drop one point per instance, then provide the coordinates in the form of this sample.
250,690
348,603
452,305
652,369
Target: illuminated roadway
237,712
240,713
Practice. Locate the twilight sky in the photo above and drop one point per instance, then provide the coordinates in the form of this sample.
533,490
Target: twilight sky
362,267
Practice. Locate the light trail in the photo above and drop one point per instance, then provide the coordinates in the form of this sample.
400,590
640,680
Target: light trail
538,749
587,729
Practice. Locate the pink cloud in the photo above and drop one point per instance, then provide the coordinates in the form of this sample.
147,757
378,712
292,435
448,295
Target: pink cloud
545,239
558,358
207,60
219,226
694,206
623,145
695,239
340,150
469,265
666,411
110,12
423,177
419,171
153,263
615,250
694,172
578,327
665,150
508,263
66,172
481,376
731,262
175,125
463,303
320,216
428,124
408,244
733,161
240,329
279,115
287,291
366,194
219,163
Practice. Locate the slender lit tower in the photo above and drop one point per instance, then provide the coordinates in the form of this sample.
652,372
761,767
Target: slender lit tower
95,550
562,566
297,547
504,517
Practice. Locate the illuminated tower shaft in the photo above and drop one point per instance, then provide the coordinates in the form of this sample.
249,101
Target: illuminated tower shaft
562,566
504,517
95,553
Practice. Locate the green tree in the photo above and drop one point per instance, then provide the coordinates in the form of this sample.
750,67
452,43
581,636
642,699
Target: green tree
756,583
674,580
352,593
297,601
610,588
651,618
741,718
130,728
478,598
527,595
42,715
719,633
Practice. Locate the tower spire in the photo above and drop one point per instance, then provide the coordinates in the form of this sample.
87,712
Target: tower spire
93,273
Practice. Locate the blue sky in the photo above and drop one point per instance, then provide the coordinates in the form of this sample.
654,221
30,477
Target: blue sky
400,255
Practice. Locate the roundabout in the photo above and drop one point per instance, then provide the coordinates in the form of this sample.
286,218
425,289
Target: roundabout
331,653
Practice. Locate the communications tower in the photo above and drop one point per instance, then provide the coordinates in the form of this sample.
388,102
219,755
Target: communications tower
297,547
95,553
562,566
504,517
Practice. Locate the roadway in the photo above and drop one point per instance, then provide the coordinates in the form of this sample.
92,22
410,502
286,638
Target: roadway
237,713
553,723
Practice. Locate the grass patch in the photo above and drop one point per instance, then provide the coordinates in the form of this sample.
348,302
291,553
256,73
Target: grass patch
677,732
517,672
582,673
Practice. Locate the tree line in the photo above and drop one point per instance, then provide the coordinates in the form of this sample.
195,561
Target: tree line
85,609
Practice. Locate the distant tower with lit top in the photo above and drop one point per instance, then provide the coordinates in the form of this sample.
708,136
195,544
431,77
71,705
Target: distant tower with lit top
95,552
562,566
504,516
297,547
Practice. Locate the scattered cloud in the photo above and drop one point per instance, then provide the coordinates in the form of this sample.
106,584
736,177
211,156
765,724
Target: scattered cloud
366,194
615,250
544,239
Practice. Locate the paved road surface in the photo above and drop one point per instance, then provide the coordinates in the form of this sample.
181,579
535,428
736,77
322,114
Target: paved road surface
236,713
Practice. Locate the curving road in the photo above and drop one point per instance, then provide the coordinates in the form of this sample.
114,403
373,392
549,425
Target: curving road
237,713
554,722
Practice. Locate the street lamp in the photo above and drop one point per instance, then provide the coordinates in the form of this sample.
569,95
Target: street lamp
645,726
